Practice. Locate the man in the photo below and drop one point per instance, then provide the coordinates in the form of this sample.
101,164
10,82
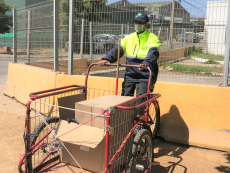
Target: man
142,48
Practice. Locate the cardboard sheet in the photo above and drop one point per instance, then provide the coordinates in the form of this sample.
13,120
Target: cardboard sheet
84,135
69,102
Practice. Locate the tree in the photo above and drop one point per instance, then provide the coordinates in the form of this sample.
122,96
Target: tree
6,21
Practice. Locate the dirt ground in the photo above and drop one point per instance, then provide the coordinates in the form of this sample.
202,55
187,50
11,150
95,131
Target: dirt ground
172,158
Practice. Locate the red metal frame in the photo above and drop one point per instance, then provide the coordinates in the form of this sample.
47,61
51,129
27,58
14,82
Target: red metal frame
36,95
122,145
107,143
121,65
41,94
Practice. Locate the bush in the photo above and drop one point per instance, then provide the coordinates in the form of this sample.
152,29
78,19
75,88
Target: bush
210,61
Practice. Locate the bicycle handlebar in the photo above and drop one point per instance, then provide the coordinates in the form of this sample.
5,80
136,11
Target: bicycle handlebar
60,90
121,65
55,91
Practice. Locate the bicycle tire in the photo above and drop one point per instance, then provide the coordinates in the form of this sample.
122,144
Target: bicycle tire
154,112
137,142
35,134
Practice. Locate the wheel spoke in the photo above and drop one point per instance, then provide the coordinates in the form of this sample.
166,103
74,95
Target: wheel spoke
142,155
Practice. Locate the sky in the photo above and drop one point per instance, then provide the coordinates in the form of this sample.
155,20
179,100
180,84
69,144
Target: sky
196,8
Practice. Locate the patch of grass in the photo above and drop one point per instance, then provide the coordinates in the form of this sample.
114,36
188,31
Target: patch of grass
199,49
192,69
210,61
193,54
212,57
198,53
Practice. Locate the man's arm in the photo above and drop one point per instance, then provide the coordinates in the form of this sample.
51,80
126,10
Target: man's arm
111,57
153,53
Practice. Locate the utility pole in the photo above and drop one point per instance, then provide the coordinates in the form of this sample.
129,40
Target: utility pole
171,24
227,50
15,34
55,3
71,28
28,36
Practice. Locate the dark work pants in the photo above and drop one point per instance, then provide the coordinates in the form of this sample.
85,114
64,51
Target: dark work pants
128,89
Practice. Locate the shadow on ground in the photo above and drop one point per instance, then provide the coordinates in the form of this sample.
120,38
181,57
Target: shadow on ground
169,154
225,169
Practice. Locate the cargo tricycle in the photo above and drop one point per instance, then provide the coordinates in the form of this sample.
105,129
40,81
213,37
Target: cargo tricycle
81,129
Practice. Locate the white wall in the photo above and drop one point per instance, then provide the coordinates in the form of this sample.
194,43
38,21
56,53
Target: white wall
215,25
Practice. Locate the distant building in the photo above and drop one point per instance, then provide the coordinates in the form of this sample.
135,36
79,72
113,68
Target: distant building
161,11
215,27
122,12
158,12
125,5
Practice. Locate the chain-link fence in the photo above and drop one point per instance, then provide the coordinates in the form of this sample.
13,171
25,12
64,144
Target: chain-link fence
192,35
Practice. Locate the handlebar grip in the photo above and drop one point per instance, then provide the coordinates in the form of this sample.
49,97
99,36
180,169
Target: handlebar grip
72,120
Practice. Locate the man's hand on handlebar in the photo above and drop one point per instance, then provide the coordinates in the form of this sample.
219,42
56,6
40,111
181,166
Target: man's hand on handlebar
103,62
142,66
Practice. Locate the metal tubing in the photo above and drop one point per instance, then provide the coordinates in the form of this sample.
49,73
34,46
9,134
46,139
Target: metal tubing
227,49
122,145
155,104
21,162
192,36
33,97
140,105
82,38
28,129
55,3
91,41
28,36
15,34
152,27
184,36
167,38
122,30
107,142
71,28
128,28
28,124
41,139
121,65
43,159
172,24
54,89
118,60
181,38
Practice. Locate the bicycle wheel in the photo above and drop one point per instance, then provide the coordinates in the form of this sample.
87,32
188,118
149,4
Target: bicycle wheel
154,118
41,135
141,153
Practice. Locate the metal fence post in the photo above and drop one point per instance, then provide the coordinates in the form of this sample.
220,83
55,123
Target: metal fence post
227,49
152,28
184,36
181,38
15,34
172,24
91,39
122,30
71,25
82,38
128,28
167,38
28,36
55,35
192,36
